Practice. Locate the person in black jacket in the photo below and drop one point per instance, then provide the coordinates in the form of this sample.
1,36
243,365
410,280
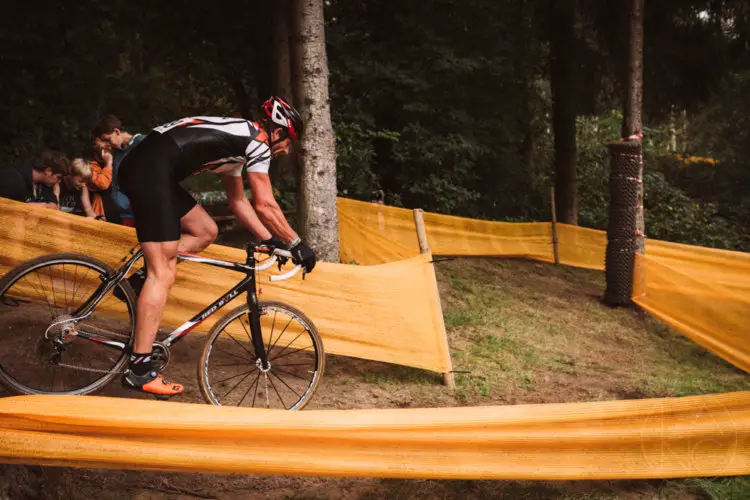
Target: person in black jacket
32,180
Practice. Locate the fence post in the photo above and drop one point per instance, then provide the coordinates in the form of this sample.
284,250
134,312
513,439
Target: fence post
424,247
554,224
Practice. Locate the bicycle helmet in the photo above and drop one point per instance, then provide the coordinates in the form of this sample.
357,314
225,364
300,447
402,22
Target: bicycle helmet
283,115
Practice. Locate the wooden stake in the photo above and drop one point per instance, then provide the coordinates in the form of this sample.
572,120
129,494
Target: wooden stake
424,247
554,225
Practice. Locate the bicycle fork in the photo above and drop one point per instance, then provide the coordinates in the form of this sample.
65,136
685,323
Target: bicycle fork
254,321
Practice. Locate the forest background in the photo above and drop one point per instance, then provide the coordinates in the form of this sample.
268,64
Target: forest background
442,105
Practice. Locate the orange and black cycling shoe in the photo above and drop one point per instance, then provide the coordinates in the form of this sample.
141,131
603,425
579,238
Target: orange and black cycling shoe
152,383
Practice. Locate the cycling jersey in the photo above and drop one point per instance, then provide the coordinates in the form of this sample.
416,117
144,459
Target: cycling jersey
218,145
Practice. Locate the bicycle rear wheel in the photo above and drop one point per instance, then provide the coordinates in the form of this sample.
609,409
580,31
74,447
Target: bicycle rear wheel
230,372
41,351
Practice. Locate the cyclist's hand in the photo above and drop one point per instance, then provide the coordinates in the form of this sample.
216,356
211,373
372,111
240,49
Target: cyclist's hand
273,243
303,255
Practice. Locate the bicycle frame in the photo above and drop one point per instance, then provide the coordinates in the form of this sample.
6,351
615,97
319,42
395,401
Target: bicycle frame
247,284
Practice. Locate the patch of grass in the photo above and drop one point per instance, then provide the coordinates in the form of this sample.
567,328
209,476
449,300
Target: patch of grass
690,369
564,363
379,379
475,303
398,374
732,488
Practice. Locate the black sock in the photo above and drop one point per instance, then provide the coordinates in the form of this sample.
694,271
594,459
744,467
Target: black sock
140,363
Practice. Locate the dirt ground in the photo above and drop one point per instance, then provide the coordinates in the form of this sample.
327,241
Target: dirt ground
352,383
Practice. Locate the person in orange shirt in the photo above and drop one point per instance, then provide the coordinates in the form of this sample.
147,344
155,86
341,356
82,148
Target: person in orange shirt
101,179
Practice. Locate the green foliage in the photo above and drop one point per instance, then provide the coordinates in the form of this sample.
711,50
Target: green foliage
671,214
447,108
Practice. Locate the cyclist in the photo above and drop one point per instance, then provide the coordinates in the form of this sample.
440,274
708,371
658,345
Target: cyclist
168,220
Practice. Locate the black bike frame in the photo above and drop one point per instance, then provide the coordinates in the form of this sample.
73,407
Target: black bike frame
247,284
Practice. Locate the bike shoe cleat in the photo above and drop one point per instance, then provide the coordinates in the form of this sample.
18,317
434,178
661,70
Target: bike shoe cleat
152,383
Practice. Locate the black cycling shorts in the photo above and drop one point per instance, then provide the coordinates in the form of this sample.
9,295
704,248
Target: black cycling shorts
147,175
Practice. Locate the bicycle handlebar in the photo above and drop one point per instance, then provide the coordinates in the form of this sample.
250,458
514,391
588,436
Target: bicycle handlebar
278,252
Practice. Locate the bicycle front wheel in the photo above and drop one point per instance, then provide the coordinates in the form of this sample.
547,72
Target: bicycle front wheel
230,372
43,349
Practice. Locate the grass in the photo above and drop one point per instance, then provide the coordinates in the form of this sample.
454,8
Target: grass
732,488
526,331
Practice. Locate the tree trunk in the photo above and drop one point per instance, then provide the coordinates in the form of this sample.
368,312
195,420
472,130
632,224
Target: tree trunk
283,61
632,123
316,203
562,71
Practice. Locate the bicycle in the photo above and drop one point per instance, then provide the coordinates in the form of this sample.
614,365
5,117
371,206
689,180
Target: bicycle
88,340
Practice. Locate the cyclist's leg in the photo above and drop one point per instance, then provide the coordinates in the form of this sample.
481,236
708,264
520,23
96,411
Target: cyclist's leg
147,177
161,257
198,228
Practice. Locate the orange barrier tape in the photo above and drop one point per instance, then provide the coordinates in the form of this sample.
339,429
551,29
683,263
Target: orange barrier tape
659,438
385,313
701,292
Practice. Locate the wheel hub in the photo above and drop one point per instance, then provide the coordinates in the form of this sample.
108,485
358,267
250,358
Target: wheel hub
63,329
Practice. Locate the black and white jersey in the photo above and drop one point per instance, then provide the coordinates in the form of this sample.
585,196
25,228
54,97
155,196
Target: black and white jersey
219,145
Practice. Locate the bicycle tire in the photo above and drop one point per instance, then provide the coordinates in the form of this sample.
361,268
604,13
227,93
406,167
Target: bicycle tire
17,274
316,350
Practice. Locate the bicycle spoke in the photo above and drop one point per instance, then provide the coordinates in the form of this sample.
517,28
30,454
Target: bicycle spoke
249,389
231,364
78,285
292,352
252,358
255,393
49,306
52,284
235,376
247,374
277,392
270,340
65,289
246,332
282,333
238,342
290,373
292,364
36,291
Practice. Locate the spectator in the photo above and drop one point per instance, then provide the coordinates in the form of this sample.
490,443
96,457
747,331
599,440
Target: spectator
109,132
72,193
31,181
98,186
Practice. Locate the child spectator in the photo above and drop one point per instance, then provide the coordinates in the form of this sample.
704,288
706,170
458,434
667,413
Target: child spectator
72,193
31,181
99,184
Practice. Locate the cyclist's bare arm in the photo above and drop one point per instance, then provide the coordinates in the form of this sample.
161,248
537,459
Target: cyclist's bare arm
267,208
241,207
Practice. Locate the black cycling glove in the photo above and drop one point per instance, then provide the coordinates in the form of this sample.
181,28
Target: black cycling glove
273,243
303,255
